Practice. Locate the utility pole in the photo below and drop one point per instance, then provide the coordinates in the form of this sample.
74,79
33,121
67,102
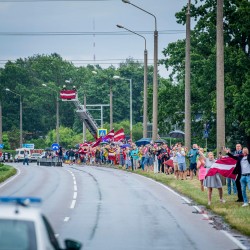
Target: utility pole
220,104
187,82
1,124
83,124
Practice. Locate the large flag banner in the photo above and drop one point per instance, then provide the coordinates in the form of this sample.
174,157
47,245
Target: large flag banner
67,94
97,142
223,166
109,136
119,135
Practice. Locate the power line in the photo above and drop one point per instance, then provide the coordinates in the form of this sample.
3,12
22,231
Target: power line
77,33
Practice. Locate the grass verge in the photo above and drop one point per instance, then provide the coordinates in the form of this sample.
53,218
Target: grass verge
6,172
236,216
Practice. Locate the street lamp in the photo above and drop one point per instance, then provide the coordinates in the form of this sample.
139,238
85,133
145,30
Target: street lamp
21,116
145,96
155,81
57,112
131,113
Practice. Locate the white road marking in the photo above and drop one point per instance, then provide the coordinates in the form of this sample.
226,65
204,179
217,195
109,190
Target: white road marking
230,236
75,195
12,178
75,188
66,219
236,241
73,203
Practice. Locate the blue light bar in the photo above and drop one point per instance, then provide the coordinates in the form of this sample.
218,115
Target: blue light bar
20,200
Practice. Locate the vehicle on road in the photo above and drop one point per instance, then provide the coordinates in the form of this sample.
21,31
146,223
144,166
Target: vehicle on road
20,154
25,227
34,157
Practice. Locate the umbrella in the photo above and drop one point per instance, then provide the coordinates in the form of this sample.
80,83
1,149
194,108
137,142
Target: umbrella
143,141
177,134
160,141
125,146
103,142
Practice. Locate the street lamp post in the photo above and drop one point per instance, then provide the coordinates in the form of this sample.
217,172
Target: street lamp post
57,113
145,96
155,81
131,107
21,116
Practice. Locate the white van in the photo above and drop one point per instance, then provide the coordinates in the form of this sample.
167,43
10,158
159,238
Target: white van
20,154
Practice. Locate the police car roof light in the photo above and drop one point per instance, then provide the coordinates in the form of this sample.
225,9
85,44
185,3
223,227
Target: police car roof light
24,201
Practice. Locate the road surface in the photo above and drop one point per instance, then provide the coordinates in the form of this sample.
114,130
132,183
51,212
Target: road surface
106,208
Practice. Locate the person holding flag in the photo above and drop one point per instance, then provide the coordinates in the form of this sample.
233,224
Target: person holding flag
211,181
243,168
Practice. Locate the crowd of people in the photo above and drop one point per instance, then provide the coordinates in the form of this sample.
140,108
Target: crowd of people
175,159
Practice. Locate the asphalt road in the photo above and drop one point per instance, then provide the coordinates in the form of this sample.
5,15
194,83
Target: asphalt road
110,209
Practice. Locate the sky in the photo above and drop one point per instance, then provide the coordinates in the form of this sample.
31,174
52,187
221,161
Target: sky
90,35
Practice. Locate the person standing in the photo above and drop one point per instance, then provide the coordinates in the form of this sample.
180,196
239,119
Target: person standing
202,169
192,154
242,168
181,159
211,181
26,157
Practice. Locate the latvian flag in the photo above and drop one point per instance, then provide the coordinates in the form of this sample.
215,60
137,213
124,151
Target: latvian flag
119,135
109,136
97,142
223,166
68,94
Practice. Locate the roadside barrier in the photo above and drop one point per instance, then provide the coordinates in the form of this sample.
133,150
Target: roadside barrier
49,162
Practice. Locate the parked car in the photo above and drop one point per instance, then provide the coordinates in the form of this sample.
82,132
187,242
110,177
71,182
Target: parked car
42,155
25,227
34,157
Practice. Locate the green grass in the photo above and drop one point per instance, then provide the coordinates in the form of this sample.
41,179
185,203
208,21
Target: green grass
236,216
6,172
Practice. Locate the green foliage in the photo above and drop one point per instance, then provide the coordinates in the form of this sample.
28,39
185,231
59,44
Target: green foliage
203,70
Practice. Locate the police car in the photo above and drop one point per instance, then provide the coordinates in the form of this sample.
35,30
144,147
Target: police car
24,227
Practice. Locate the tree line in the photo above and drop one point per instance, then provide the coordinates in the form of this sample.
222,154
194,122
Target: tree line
26,76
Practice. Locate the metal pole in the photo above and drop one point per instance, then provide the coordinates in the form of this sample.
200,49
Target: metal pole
220,114
21,122
131,112
83,124
1,124
187,82
57,119
155,81
101,116
111,107
145,97
155,88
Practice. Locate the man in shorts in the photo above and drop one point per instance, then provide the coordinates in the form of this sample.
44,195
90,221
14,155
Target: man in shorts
181,161
192,154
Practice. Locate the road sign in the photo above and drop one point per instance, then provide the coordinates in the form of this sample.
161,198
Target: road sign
1,146
55,146
31,146
205,134
101,132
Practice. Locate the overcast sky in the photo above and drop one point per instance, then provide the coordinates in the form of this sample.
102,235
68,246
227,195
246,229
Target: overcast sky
82,16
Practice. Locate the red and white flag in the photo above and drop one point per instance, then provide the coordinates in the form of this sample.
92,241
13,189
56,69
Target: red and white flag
97,142
223,166
119,135
109,136
68,94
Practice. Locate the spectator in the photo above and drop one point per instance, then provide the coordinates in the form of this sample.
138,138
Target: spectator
175,162
71,156
181,161
135,157
26,157
242,168
202,169
192,154
211,181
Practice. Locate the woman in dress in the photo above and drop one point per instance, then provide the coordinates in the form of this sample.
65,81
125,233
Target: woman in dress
211,181
202,170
